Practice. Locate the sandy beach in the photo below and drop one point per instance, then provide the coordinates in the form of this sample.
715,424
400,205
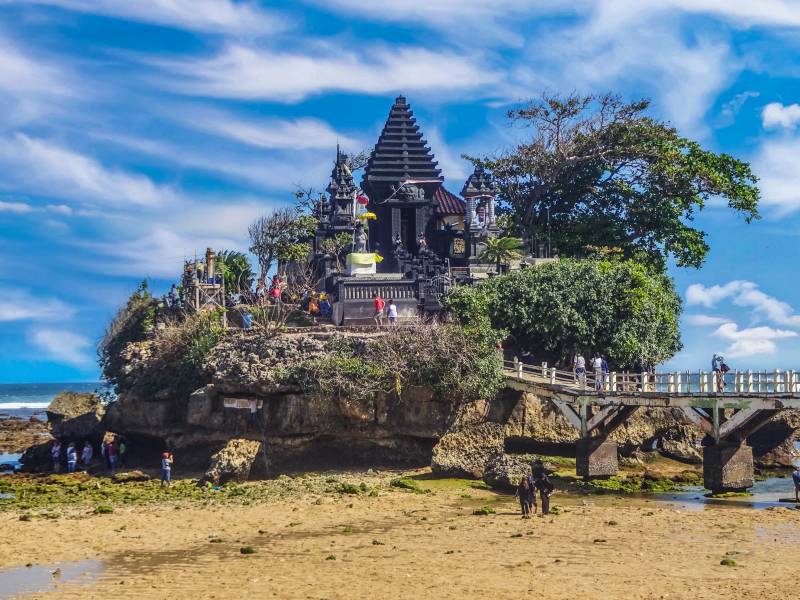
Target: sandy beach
388,543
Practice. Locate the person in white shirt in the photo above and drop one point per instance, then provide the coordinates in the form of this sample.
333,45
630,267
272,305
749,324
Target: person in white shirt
579,366
391,311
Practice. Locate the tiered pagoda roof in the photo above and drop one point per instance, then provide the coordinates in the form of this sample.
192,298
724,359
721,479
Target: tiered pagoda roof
448,203
401,153
342,186
479,184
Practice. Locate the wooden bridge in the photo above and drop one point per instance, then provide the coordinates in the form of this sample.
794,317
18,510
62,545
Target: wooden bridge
728,407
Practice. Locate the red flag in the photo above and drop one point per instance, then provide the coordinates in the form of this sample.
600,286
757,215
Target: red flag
362,199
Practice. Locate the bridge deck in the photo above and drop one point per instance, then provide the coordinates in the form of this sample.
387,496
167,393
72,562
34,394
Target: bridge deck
766,390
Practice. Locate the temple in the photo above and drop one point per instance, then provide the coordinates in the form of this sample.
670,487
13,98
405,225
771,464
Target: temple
411,237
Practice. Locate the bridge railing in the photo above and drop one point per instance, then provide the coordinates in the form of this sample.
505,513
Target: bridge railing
677,382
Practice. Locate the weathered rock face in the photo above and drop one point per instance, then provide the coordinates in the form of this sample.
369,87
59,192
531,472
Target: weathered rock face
233,462
75,417
465,451
299,429
504,471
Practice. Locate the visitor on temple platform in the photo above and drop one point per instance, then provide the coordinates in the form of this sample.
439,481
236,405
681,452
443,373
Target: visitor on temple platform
545,487
796,480
55,455
525,493
604,368
166,469
87,454
325,308
579,367
391,311
72,458
379,306
313,304
597,367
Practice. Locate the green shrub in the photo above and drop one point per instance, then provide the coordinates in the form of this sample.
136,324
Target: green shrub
247,550
727,562
104,509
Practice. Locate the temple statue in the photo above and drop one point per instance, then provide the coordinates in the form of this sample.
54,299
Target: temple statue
359,239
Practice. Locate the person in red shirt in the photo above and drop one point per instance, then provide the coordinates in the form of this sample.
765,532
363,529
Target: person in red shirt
379,304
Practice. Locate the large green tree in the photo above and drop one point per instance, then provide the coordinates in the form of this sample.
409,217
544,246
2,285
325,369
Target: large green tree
623,309
597,171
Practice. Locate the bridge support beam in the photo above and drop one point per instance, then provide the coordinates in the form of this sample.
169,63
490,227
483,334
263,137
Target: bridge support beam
728,467
596,458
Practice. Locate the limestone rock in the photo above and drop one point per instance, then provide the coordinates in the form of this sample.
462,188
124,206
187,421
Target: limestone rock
74,416
465,450
233,462
504,471
130,476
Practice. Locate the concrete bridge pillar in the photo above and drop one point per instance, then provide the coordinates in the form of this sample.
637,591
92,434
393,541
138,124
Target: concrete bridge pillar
596,458
728,467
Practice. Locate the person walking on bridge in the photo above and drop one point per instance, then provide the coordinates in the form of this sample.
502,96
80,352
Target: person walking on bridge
597,367
579,367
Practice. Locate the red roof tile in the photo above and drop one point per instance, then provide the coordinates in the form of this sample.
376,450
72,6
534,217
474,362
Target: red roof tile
449,203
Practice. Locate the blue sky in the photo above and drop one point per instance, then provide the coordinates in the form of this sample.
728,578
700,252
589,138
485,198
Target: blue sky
134,133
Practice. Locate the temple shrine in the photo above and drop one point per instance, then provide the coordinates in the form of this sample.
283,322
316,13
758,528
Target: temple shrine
411,236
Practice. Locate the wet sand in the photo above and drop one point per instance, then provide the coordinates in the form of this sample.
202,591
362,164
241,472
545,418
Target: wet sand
403,544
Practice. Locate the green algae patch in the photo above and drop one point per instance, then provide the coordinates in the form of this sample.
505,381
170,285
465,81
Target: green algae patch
632,485
484,510
247,550
104,509
729,495
408,484
727,562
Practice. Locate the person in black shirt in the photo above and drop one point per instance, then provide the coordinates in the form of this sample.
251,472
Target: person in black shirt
527,496
545,487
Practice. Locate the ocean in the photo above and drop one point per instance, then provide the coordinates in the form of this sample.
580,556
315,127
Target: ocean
25,400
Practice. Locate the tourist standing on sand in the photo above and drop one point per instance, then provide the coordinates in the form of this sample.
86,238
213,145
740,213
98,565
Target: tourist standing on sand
55,455
526,495
87,454
112,451
796,480
391,310
545,487
72,458
166,469
379,306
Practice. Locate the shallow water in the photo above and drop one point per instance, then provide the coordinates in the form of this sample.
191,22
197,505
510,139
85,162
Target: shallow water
9,459
45,578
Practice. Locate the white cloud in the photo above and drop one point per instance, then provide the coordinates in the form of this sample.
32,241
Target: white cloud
775,115
43,167
776,165
295,134
19,208
212,16
454,168
22,305
247,73
63,346
751,341
732,107
61,209
745,294
705,320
